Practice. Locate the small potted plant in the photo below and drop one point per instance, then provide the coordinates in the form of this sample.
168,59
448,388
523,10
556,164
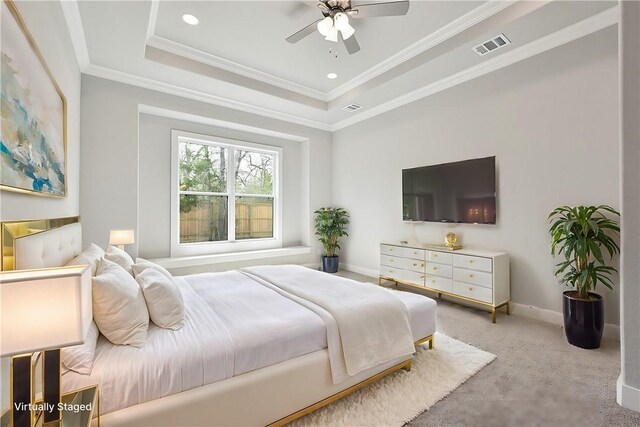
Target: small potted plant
330,226
581,235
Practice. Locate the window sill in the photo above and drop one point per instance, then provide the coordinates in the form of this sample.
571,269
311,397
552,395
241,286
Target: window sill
192,261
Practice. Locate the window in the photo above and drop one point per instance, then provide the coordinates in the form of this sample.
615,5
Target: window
225,195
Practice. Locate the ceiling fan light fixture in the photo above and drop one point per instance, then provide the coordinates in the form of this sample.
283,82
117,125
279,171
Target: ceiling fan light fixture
325,25
332,35
347,31
342,23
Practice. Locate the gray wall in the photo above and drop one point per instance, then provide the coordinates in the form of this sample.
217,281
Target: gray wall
629,382
44,19
121,157
552,123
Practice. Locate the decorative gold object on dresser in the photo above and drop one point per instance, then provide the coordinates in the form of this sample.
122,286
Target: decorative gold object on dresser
476,276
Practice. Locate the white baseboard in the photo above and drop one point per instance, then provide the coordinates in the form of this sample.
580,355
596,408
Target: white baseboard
611,331
627,396
360,270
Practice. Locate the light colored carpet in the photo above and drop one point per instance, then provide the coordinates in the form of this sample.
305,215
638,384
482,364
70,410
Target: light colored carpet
538,379
401,396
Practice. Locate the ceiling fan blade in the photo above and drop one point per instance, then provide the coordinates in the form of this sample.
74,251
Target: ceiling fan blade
351,44
309,29
396,8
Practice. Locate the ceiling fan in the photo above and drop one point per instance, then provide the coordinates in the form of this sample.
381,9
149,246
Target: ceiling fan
335,24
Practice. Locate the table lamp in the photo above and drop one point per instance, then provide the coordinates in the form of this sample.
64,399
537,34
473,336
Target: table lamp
42,309
121,238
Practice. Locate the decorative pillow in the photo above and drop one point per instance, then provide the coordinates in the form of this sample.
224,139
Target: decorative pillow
163,297
120,257
119,309
90,257
142,264
79,358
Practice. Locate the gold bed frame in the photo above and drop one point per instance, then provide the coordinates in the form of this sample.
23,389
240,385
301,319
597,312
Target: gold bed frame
406,365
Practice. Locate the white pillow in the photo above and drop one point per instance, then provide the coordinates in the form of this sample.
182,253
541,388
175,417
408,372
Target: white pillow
90,257
120,257
142,264
163,297
79,358
119,309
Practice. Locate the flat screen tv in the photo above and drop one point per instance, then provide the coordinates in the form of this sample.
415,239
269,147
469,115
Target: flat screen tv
459,192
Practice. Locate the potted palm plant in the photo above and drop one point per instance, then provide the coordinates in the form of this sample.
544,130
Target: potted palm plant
581,235
330,226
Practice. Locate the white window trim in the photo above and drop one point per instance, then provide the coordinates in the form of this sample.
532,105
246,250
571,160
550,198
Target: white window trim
203,248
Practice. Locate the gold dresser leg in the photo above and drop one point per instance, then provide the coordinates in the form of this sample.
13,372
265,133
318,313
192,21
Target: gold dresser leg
433,338
508,311
493,315
407,367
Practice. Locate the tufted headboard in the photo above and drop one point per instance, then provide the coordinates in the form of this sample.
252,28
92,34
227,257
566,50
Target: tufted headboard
51,248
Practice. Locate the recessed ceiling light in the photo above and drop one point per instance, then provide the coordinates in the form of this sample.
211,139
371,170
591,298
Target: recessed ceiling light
332,76
190,19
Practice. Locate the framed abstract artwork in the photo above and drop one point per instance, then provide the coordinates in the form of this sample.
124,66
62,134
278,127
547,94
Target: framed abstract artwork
33,137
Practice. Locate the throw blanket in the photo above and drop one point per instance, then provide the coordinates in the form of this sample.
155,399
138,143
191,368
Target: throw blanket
366,325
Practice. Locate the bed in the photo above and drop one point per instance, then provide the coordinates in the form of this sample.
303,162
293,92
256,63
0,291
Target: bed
249,354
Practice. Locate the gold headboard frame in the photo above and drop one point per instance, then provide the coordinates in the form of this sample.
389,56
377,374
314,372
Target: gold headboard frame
13,230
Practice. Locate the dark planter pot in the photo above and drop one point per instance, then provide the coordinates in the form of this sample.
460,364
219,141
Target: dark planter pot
583,320
330,263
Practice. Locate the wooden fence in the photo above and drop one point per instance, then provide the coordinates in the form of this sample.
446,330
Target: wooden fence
209,222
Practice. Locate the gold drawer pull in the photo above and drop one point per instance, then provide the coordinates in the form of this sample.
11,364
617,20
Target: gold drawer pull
415,265
422,277
470,289
422,265
390,249
470,261
435,255
390,260
435,268
471,275
433,281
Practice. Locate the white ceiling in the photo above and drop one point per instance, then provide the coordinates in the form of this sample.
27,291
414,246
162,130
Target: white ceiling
252,33
238,55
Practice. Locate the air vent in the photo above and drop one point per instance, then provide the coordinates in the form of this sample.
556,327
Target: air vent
352,107
491,45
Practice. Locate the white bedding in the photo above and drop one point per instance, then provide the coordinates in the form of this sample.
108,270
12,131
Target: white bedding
372,324
233,325
200,353
265,328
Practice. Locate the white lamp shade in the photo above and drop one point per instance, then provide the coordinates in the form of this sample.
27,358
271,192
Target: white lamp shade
342,24
44,309
332,35
121,237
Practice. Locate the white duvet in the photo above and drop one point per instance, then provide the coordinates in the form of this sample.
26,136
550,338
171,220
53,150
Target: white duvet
366,325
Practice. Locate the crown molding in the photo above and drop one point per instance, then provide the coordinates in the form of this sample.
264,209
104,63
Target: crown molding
72,16
580,29
233,67
153,18
468,20
168,88
194,118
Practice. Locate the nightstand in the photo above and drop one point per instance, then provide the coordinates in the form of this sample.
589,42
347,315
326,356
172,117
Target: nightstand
78,409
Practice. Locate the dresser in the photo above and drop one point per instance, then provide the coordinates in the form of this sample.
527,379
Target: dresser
477,276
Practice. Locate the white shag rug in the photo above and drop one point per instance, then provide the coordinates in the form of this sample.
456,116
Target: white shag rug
400,397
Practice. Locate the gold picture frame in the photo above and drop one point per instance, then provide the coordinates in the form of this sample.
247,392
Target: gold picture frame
55,184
